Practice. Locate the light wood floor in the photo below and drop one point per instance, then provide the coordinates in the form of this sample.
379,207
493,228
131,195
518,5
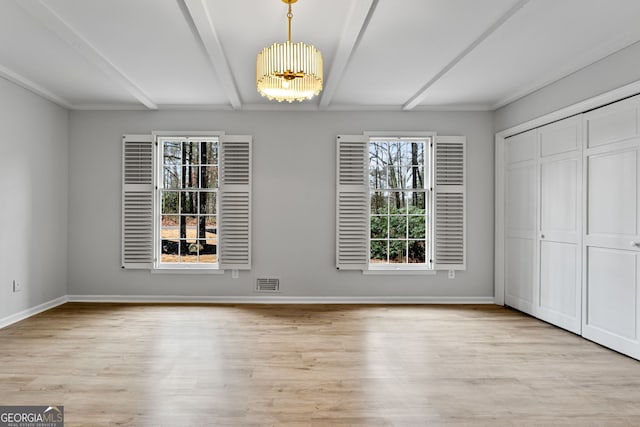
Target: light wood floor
183,365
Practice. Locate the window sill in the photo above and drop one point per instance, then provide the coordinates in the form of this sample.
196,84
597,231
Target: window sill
399,271
185,270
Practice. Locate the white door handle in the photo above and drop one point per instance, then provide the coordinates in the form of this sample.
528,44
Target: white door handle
635,244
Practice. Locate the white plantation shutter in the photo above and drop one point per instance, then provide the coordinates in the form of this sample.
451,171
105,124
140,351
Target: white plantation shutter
137,201
234,244
449,199
352,213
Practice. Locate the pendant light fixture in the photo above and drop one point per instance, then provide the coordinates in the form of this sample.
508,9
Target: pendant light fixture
289,71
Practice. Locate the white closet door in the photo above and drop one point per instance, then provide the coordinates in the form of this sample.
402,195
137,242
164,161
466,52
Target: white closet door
520,217
612,233
558,294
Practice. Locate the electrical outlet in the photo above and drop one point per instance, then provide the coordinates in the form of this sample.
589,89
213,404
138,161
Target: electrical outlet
452,274
235,274
17,287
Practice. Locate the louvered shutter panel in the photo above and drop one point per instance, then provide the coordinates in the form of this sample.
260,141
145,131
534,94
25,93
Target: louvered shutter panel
234,245
352,213
137,201
449,197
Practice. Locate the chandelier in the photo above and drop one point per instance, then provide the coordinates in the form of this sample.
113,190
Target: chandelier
289,71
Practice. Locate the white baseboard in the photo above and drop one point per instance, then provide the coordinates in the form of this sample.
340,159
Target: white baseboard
24,314
276,299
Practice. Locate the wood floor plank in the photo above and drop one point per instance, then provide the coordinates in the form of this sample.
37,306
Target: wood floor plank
190,364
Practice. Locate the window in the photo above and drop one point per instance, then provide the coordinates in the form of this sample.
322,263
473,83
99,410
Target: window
400,202
186,202
399,183
188,198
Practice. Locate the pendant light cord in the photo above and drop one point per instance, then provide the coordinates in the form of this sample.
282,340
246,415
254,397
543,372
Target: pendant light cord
289,16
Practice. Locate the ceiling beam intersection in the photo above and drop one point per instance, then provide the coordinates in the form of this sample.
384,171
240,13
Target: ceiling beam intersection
34,87
54,22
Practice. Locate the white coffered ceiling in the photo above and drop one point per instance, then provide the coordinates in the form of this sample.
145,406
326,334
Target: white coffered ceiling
378,54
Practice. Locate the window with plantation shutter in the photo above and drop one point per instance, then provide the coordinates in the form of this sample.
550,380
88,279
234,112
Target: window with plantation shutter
449,195
400,202
186,201
137,201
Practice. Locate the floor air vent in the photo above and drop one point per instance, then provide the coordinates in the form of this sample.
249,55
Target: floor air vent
268,285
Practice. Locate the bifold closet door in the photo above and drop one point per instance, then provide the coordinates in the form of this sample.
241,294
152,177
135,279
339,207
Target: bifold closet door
558,294
520,221
612,236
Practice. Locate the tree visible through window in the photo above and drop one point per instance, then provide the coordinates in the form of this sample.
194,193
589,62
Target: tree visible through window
188,197
399,184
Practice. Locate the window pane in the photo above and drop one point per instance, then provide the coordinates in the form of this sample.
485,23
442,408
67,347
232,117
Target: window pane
171,176
415,177
209,176
169,258
380,202
417,251
169,228
379,226
378,251
208,202
190,153
397,251
395,176
417,227
170,201
378,177
211,230
172,153
397,202
417,153
169,231
189,202
207,258
190,176
398,226
189,250
416,201
188,227
209,153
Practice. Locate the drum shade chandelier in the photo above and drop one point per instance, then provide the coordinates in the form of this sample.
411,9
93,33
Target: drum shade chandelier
289,71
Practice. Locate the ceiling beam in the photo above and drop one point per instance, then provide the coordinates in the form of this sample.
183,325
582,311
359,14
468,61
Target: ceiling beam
356,24
33,87
54,22
203,28
422,93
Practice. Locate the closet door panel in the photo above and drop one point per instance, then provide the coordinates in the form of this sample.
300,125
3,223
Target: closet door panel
559,290
520,221
613,123
612,289
612,195
520,273
558,282
558,196
521,206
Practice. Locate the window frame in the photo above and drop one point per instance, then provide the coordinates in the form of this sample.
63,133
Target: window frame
429,166
158,265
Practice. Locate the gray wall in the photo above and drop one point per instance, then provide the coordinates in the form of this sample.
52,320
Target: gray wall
293,203
33,185
612,72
